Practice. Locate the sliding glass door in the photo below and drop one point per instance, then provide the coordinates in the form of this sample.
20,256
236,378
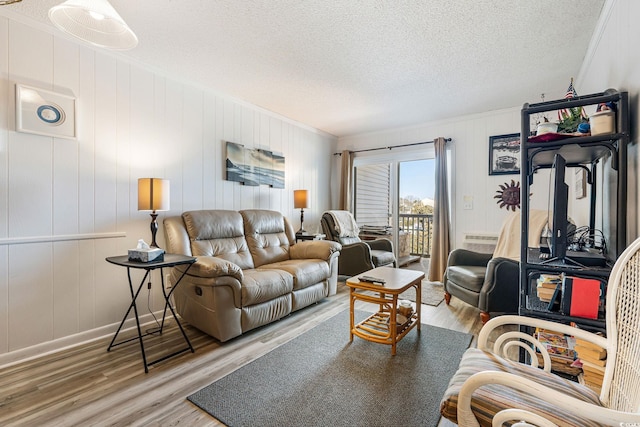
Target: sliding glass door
393,197
415,208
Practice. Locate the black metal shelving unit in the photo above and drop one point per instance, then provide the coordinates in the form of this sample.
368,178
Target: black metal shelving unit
583,152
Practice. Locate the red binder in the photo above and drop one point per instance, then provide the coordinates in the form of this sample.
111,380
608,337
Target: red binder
580,297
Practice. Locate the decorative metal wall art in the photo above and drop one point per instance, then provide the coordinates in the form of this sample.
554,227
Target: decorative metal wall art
509,195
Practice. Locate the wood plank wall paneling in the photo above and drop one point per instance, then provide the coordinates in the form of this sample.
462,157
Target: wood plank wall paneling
131,122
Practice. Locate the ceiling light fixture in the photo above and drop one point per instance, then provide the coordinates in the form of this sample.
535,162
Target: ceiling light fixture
95,22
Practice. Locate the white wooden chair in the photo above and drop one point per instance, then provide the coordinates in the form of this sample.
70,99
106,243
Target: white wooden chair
489,389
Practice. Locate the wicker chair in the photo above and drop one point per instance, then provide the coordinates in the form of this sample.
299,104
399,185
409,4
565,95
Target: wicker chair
490,388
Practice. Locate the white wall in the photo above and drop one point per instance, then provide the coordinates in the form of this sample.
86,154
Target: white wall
470,158
65,204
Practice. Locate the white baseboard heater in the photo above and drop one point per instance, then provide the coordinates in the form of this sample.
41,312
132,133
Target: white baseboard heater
480,242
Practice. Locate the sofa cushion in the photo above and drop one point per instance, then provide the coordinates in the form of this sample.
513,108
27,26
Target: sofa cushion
268,235
263,285
218,233
470,277
489,399
305,272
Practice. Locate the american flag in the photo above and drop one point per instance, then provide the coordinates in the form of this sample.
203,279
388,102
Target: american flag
571,92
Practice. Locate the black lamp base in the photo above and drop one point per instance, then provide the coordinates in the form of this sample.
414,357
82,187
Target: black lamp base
302,231
154,229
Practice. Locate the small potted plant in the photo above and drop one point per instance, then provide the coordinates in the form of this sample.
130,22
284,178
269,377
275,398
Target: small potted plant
571,119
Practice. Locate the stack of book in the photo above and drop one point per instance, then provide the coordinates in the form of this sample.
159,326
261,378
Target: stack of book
561,351
546,286
558,345
593,359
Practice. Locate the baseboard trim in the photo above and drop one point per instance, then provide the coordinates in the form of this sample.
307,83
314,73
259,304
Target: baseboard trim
49,347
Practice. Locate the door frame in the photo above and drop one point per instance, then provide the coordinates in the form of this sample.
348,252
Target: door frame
392,157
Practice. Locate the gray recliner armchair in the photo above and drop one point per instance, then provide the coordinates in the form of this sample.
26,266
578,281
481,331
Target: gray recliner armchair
491,282
356,256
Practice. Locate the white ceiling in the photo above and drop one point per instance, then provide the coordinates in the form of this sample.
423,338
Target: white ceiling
354,66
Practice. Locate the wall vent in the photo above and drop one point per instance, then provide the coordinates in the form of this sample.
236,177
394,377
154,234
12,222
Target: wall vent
480,242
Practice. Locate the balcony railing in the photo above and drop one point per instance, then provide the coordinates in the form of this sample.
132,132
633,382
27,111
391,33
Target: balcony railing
419,228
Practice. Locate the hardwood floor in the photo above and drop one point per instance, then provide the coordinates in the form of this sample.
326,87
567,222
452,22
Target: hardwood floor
86,385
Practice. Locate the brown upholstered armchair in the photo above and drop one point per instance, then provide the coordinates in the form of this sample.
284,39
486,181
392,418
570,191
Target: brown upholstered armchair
356,255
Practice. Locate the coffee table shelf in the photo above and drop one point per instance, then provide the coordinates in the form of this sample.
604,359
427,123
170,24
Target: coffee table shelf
378,327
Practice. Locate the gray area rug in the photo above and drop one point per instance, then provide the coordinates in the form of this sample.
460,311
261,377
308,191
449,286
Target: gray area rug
432,293
320,379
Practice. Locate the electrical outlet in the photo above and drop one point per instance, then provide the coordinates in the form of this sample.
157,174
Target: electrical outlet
167,281
467,202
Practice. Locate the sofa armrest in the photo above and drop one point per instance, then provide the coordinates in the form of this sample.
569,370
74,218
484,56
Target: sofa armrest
315,249
501,288
354,259
382,244
467,257
208,266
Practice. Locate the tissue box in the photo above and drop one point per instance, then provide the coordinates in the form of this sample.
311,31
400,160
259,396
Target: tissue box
146,255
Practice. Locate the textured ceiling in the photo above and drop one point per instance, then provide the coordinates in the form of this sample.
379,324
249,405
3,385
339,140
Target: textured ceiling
354,66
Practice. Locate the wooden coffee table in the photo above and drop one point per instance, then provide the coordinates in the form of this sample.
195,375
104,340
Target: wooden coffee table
382,327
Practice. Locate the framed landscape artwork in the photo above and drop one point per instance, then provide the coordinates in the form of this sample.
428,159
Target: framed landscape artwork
254,166
504,154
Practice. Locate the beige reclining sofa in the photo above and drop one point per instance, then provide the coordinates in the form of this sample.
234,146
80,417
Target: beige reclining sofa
249,270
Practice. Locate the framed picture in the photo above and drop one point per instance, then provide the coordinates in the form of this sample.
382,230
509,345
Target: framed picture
43,112
253,167
504,154
581,183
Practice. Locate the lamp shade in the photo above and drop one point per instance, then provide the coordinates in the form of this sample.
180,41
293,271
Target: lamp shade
94,21
300,199
153,194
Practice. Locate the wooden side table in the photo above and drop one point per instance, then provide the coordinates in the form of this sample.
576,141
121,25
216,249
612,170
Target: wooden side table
382,327
170,260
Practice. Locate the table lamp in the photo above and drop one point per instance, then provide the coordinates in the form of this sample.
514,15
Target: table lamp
300,202
153,195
